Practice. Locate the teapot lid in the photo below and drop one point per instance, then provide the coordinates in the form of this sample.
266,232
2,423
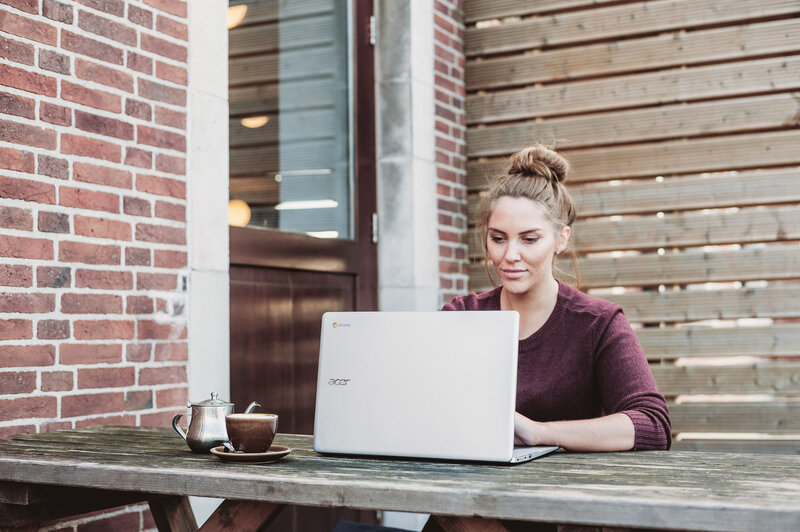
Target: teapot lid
214,401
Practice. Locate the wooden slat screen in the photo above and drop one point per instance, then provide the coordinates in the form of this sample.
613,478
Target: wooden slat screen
680,119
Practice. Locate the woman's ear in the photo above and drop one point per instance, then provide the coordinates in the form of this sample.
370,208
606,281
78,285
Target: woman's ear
563,238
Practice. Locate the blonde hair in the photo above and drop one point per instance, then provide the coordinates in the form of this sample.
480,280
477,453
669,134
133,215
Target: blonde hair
536,173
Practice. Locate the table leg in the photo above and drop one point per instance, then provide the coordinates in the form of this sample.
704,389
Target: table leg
242,516
173,514
468,524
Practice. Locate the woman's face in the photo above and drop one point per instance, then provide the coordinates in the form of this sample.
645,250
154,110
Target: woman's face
521,243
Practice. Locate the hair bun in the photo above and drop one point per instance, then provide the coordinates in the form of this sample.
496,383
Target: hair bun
538,160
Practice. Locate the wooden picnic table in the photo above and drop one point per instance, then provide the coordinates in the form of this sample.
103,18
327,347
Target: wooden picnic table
49,476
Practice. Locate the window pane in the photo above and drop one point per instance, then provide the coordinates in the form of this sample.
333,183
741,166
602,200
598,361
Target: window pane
290,144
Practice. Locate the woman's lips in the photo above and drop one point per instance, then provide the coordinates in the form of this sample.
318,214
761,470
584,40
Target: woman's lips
513,274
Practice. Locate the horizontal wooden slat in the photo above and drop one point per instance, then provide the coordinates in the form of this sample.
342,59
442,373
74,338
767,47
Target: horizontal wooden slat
734,152
663,86
262,190
286,96
781,380
771,417
646,53
475,10
286,127
781,301
292,65
312,31
617,22
772,446
639,125
291,156
272,10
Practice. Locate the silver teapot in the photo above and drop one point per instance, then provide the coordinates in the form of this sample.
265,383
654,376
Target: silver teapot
207,427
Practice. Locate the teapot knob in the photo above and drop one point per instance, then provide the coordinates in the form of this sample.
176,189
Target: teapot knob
214,396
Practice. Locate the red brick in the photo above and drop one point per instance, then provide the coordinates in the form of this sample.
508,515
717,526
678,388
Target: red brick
103,280
102,175
103,75
172,397
57,381
140,63
89,199
55,114
91,97
19,356
156,281
82,405
21,161
161,185
139,305
54,62
167,117
152,330
91,48
138,400
91,304
53,277
16,275
11,104
27,134
169,259
137,157
137,257
166,375
158,419
16,218
162,93
135,206
53,222
17,382
170,164
160,233
128,420
53,167
27,407
52,329
52,427
172,351
170,211
57,11
103,125
27,303
28,28
112,7
27,81
138,109
16,51
161,305
13,430
106,28
163,47
172,28
25,248
175,7
89,253
172,73
89,353
29,6
140,16
102,228
103,330
24,189
89,147
160,138
137,352
16,329
105,377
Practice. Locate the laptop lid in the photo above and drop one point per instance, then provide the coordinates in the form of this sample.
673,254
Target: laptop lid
418,384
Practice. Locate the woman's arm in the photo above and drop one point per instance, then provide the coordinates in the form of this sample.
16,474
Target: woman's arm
614,432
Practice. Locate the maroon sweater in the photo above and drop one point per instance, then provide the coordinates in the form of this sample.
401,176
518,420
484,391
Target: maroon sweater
584,362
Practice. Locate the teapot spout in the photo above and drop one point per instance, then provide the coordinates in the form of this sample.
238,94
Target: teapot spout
252,406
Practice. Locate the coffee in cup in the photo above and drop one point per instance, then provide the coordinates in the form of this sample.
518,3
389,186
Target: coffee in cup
251,433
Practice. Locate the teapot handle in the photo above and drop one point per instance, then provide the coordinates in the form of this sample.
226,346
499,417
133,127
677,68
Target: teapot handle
176,427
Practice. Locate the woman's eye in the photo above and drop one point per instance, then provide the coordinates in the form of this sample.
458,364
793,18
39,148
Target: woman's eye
496,239
530,240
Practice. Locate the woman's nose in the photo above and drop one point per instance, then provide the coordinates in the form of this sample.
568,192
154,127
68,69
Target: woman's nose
512,253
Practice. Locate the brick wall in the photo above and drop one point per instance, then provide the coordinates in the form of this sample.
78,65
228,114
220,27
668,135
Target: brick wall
93,256
451,149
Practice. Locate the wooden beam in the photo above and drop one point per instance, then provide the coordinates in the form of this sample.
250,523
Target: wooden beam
468,524
242,516
173,514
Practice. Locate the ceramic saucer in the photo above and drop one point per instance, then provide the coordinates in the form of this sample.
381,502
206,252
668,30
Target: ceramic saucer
274,453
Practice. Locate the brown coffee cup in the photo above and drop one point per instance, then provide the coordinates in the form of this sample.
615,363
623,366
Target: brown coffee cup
251,433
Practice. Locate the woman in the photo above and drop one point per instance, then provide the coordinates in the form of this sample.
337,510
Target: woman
583,381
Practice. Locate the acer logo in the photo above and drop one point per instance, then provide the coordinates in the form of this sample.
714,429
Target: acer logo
338,382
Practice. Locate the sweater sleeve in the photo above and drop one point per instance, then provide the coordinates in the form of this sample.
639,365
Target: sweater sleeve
626,385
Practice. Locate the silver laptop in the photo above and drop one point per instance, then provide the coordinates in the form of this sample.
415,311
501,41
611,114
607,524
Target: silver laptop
436,385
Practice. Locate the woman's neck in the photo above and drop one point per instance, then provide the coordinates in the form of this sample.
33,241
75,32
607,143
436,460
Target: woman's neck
534,306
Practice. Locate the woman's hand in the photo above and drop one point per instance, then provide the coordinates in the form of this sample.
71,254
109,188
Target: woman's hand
529,432
614,432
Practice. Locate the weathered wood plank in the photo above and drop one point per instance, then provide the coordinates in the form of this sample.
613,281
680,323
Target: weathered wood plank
173,514
248,162
775,111
242,516
661,87
291,65
273,10
617,22
781,380
780,301
475,10
778,446
630,55
730,152
468,524
286,96
768,417
288,34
